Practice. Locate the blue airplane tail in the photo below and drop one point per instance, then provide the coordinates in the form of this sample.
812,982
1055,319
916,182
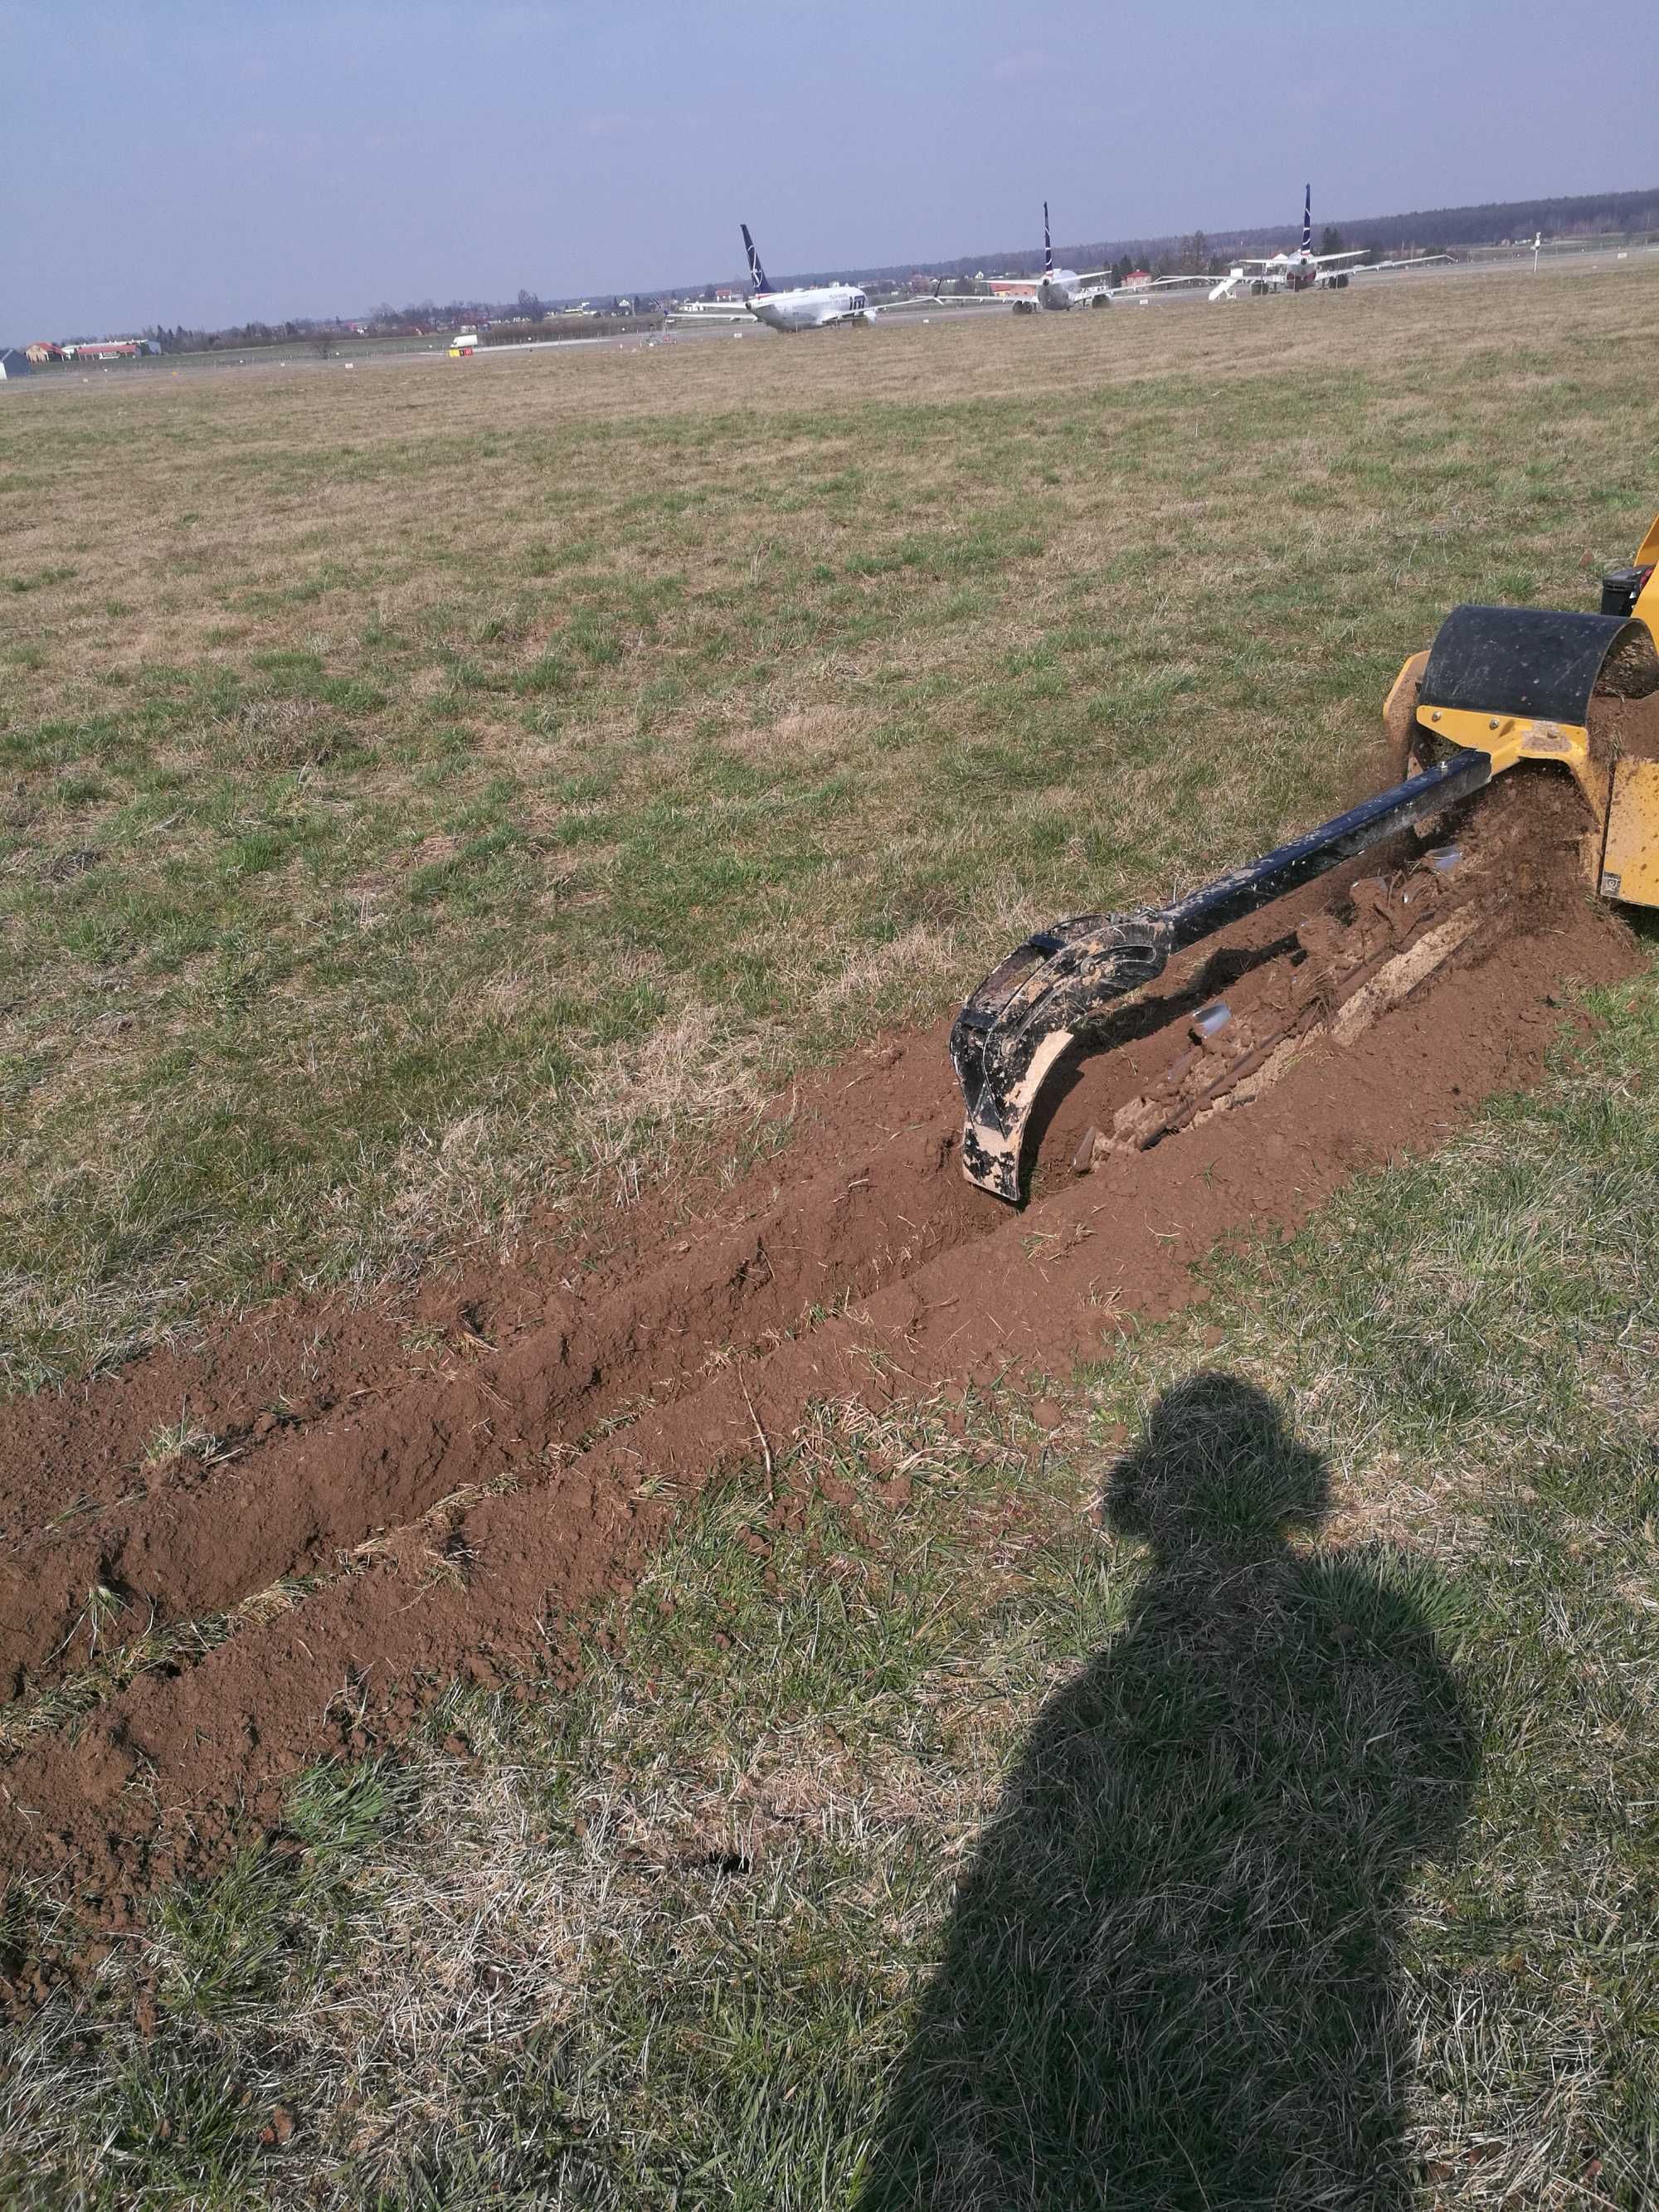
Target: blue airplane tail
757,275
1048,250
1307,218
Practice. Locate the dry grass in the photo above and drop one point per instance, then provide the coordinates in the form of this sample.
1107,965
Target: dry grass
434,791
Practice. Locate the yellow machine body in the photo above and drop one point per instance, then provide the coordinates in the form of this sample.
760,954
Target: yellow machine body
1630,858
1503,654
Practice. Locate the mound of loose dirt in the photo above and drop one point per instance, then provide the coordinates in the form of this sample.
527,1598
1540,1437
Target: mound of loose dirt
1628,726
411,1501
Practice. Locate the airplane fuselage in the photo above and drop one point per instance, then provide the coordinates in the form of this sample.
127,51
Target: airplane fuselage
1301,272
1285,272
1056,287
812,308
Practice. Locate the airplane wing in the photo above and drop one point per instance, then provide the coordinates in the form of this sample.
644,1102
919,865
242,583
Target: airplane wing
1157,283
1415,261
1272,260
904,306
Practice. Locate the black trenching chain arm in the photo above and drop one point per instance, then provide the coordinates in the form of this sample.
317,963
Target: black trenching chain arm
1029,1009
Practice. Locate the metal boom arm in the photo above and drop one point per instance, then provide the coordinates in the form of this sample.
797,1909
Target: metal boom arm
1061,981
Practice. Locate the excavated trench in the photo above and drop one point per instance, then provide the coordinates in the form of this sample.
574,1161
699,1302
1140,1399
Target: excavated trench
450,1494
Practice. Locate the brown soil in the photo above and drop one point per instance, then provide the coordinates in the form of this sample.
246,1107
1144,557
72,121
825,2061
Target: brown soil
1628,726
455,1503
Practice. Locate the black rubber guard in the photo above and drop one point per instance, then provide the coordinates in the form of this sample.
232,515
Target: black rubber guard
1542,663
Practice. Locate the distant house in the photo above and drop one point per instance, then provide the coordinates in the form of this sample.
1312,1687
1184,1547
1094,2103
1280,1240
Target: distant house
13,361
43,350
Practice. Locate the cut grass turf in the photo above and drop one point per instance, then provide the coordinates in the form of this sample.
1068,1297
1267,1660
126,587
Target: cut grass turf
1241,1793
429,793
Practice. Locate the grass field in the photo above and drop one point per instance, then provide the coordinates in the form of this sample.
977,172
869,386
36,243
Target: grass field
430,793
432,797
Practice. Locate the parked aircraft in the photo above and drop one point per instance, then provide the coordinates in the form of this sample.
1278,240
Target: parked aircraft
1304,271
809,306
1055,287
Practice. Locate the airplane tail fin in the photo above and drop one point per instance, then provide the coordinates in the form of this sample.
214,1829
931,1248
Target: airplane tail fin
1048,250
1307,218
757,275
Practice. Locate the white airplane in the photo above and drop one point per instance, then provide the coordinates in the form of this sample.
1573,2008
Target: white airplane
1055,287
809,306
1066,287
1304,271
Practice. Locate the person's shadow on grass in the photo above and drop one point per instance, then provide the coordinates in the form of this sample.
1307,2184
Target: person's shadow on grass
1169,1978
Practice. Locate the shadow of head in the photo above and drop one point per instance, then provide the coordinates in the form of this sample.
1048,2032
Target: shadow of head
1216,1468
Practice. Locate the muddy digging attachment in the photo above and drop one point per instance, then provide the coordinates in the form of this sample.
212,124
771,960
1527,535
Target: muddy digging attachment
1063,982
181,1638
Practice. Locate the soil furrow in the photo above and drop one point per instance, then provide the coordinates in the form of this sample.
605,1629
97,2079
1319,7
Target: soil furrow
149,1784
881,1198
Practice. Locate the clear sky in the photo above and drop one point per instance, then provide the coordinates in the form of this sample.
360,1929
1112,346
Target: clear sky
201,161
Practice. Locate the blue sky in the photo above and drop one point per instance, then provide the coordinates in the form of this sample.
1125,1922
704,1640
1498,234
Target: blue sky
204,161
